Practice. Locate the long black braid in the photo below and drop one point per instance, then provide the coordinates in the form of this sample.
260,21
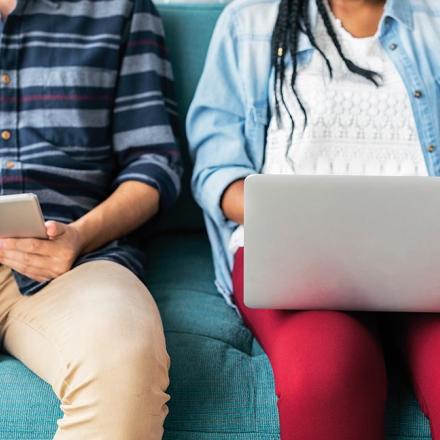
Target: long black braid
293,18
279,48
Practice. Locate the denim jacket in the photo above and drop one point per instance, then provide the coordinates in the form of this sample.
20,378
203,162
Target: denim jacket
227,121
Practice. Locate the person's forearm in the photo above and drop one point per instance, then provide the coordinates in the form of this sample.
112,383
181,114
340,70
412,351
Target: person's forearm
232,202
131,205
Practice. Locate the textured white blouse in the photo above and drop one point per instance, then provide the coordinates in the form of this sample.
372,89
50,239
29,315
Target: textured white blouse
353,127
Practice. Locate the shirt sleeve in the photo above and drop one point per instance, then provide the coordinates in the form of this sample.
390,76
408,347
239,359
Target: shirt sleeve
215,122
145,112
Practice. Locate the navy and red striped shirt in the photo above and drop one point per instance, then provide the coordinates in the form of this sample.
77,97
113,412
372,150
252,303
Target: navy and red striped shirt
86,103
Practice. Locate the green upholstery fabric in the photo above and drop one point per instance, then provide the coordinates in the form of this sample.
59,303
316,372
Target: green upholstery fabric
28,407
221,381
188,29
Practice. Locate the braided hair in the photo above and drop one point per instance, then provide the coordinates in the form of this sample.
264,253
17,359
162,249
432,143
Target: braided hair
293,18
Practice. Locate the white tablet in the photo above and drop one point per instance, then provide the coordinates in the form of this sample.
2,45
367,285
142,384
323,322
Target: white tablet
21,217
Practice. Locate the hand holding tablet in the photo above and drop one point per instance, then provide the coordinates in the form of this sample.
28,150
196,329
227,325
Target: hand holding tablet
39,250
21,217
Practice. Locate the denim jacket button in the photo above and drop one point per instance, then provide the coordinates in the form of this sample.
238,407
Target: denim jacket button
431,148
393,46
418,94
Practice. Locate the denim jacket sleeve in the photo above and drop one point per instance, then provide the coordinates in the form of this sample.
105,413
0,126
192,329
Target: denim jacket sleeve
216,120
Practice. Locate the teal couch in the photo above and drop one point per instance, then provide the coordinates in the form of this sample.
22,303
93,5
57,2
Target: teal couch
221,381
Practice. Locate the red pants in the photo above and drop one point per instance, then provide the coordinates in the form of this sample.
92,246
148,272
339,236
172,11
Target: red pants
329,371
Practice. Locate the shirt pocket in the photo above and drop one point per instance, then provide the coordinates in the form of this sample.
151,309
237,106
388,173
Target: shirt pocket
255,131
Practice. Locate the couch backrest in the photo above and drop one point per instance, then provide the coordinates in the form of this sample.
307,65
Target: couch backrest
188,29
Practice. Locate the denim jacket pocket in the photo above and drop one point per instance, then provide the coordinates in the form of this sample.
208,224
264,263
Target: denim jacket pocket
256,124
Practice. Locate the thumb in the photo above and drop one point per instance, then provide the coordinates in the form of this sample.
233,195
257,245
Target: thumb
54,229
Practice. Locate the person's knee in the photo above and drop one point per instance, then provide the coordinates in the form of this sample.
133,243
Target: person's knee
114,313
130,367
131,339
139,363
339,361
118,345
117,376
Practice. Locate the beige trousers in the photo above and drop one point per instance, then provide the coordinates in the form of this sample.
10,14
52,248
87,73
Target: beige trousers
95,335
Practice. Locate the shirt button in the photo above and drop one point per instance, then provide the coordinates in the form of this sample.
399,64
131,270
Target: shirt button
10,165
431,148
418,94
6,135
393,46
6,79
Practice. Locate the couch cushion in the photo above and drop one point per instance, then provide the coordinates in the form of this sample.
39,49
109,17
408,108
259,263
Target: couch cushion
221,380
404,420
28,407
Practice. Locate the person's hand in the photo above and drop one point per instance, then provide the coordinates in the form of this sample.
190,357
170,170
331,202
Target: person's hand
43,260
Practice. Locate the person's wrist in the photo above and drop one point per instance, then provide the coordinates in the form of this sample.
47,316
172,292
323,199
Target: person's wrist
232,202
82,236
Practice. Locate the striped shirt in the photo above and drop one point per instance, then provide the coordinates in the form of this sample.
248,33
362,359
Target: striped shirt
86,104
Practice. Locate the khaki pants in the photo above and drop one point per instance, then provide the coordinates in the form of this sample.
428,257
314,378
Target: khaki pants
95,335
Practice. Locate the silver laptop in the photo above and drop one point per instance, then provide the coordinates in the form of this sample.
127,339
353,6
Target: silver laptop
342,243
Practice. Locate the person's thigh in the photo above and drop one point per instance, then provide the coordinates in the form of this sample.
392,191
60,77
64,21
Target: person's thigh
328,367
9,293
264,321
96,336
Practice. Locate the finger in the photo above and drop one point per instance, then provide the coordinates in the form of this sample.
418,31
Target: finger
55,229
28,245
27,271
38,262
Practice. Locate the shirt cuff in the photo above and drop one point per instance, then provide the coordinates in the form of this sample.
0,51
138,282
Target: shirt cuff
214,187
160,177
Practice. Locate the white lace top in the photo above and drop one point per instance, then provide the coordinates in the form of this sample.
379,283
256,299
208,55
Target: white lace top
353,127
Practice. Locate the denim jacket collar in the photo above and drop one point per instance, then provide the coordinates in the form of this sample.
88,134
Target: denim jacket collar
398,10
